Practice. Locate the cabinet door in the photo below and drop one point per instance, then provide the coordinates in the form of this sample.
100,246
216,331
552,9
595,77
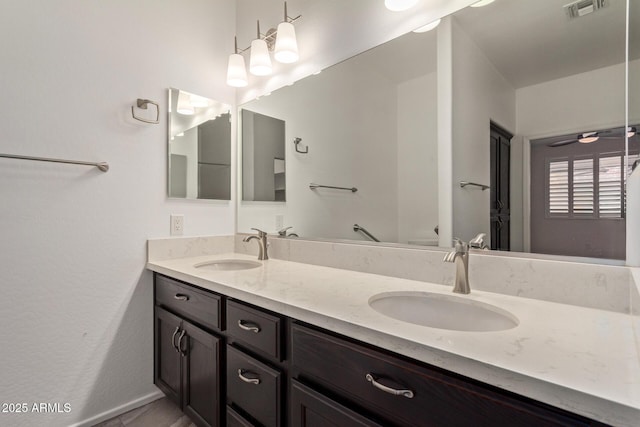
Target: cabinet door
200,369
312,409
167,374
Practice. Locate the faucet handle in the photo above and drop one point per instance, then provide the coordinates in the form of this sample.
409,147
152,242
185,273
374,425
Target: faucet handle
460,246
478,241
260,232
283,232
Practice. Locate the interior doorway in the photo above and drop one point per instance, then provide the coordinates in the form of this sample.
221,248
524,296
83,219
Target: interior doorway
500,200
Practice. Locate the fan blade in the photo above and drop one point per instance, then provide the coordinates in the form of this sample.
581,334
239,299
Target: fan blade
561,143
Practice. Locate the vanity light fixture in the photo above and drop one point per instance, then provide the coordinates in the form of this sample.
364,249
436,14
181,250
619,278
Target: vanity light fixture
236,70
482,3
260,61
430,26
631,131
286,50
399,5
588,137
282,41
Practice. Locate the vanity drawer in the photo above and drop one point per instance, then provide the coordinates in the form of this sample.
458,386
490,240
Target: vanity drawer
254,387
191,303
236,420
426,396
255,328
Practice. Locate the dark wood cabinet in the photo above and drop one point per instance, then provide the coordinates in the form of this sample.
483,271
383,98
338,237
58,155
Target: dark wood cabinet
233,364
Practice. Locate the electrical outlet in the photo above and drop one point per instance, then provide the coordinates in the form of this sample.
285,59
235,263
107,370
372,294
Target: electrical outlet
177,225
279,222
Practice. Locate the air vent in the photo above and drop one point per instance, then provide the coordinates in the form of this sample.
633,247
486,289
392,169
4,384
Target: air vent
584,7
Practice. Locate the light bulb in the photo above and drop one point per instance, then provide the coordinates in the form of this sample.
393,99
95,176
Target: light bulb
236,71
286,50
260,62
430,26
399,5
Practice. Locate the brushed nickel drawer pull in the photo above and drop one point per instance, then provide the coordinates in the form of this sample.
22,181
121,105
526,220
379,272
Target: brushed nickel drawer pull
248,326
182,334
181,297
173,339
241,373
404,393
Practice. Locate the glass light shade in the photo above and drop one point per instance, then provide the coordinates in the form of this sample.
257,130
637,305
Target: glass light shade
589,137
286,50
430,26
260,61
631,131
184,106
236,71
399,5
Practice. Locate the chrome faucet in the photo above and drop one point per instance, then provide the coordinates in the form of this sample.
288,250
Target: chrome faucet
478,242
460,255
262,243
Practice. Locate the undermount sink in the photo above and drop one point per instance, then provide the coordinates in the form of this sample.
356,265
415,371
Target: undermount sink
228,265
443,311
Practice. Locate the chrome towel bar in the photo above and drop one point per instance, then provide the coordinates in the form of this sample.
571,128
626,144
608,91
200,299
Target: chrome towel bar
103,166
314,186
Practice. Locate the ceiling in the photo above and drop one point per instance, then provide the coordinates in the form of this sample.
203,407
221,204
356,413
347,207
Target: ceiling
533,41
528,41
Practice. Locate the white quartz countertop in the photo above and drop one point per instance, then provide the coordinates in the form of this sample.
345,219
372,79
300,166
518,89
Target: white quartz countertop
579,359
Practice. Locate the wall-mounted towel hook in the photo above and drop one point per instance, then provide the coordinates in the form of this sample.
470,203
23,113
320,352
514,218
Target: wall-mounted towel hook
144,104
297,142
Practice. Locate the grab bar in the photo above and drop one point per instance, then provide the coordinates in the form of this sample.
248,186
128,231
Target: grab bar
314,186
357,228
103,166
465,183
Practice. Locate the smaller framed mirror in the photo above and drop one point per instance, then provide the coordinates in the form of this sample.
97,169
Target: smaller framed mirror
263,158
199,147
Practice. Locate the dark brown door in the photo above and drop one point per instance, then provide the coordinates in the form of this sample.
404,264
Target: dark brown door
200,367
167,374
500,213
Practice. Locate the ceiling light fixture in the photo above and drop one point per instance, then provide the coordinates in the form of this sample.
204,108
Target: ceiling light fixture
430,26
482,3
286,50
588,137
236,70
282,41
399,5
260,61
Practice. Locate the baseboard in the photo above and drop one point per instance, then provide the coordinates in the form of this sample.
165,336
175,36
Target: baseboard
119,410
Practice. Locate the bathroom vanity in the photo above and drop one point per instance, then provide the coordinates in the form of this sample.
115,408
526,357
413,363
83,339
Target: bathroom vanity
291,344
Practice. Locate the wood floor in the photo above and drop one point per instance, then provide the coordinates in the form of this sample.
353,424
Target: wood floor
161,413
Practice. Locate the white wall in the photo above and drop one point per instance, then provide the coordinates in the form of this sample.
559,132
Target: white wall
417,158
187,145
76,307
480,95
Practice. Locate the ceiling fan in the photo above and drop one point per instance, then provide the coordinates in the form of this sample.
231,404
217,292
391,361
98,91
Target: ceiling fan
589,137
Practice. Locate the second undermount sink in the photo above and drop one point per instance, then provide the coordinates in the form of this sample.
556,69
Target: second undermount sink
228,265
443,311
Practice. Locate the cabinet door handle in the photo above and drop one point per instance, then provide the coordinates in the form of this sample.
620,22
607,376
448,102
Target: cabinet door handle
181,297
241,373
182,334
248,326
404,393
173,339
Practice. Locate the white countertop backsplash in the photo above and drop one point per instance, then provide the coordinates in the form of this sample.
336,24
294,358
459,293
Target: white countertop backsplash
576,346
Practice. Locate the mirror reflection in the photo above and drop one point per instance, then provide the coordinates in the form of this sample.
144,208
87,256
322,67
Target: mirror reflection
263,157
524,74
199,147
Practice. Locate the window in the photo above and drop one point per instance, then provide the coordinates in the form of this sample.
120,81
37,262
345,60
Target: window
590,187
